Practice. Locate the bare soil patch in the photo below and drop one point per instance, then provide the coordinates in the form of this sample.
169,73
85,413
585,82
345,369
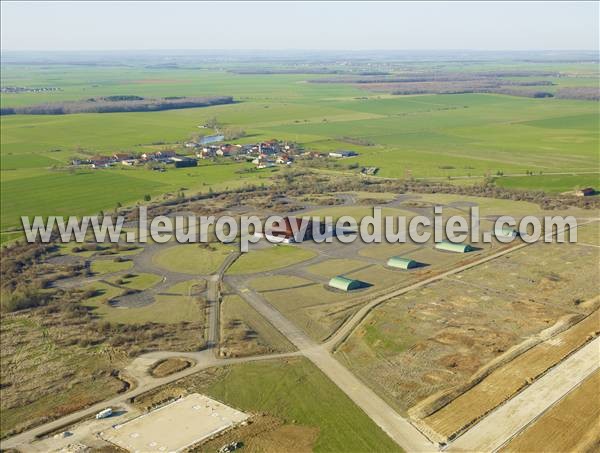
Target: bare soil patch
169,366
464,410
266,434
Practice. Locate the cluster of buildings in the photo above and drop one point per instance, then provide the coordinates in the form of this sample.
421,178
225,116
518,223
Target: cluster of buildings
164,157
265,154
262,154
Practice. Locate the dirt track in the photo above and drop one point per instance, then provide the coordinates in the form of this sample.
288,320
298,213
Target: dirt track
509,419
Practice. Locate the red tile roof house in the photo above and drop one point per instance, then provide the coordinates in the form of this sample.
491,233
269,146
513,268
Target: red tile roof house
100,161
166,153
290,231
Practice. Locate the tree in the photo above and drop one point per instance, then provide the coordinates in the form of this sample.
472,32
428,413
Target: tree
212,123
147,197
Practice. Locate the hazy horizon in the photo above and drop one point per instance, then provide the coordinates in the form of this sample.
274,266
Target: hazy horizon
300,26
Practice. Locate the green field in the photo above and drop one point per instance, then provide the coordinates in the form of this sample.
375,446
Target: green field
424,135
166,309
297,390
550,183
271,258
109,266
192,259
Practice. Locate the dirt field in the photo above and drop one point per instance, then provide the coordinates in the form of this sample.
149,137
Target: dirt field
571,425
266,434
438,337
502,383
169,366
245,332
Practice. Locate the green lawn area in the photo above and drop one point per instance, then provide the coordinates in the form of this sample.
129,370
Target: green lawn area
107,266
296,390
281,282
137,281
332,267
184,288
550,183
193,258
63,193
165,309
234,308
268,259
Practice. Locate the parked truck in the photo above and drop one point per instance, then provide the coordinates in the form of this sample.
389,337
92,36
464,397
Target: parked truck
104,413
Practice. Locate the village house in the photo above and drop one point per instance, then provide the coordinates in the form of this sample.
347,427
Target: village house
343,154
228,150
184,161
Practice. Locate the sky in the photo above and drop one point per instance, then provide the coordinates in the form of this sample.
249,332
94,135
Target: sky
53,26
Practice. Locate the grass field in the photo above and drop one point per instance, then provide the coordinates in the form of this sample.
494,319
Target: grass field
193,258
36,384
550,183
137,281
296,390
109,266
165,309
245,332
271,258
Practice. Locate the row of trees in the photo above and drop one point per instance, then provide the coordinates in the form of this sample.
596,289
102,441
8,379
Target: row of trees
117,104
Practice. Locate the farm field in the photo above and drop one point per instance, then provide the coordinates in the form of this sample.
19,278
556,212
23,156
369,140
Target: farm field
436,338
579,410
550,183
424,135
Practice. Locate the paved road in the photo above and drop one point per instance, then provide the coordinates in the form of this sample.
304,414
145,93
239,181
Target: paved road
511,418
204,359
348,327
399,429
213,300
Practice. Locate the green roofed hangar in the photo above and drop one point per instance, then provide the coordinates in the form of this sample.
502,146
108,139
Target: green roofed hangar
506,232
402,263
452,247
345,283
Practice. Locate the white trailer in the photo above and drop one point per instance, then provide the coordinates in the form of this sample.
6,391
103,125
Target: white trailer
104,413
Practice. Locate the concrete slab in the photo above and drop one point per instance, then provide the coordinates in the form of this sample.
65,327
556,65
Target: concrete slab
175,426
